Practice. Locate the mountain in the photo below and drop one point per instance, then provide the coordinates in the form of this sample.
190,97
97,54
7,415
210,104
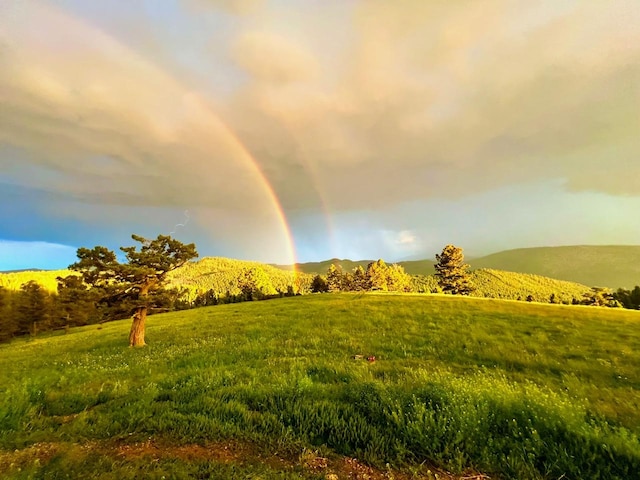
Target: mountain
412,267
610,266
322,267
418,267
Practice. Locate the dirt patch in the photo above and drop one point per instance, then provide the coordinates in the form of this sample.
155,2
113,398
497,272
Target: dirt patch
332,467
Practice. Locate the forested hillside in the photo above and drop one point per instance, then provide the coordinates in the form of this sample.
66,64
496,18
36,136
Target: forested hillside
603,266
222,275
513,286
225,276
596,266
45,278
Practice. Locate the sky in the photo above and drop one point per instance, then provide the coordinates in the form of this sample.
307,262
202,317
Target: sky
282,130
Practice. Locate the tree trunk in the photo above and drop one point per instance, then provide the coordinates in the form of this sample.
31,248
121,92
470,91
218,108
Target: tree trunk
136,335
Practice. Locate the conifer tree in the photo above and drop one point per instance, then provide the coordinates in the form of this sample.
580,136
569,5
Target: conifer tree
377,275
137,285
397,279
334,278
319,284
75,303
360,279
32,308
451,271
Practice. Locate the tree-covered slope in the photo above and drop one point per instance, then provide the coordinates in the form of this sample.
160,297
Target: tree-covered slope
224,275
46,278
604,266
412,267
491,283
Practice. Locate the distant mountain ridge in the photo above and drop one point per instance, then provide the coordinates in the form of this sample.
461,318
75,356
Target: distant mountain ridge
612,266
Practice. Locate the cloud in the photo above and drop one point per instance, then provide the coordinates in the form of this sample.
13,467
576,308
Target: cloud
271,58
436,100
345,106
406,237
92,119
237,7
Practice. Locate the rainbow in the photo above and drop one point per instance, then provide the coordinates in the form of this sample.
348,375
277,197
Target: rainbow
64,19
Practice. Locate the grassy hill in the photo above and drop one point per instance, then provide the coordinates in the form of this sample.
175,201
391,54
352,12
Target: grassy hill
223,274
276,390
46,278
603,266
209,273
490,283
418,267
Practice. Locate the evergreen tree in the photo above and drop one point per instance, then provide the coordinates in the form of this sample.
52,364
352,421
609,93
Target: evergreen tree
360,279
138,285
628,298
319,284
397,279
334,278
451,271
347,282
377,276
75,304
32,309
7,328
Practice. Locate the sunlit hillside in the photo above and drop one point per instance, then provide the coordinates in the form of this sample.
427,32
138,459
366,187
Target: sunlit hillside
603,266
510,285
224,275
283,389
46,278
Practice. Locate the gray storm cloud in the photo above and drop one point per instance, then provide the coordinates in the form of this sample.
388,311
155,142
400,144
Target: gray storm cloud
442,99
353,104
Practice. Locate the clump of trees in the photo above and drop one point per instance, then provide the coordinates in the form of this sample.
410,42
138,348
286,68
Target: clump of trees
378,276
451,271
628,298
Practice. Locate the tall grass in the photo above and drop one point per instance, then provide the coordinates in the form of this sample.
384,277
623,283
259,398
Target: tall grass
511,389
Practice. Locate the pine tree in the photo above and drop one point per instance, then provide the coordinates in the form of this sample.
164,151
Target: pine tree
319,284
32,308
75,303
334,278
377,275
360,279
397,279
138,285
7,327
451,271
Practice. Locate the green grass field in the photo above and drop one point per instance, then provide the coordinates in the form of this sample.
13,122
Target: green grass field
271,390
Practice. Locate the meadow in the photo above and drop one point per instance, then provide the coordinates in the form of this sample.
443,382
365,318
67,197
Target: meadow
277,389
